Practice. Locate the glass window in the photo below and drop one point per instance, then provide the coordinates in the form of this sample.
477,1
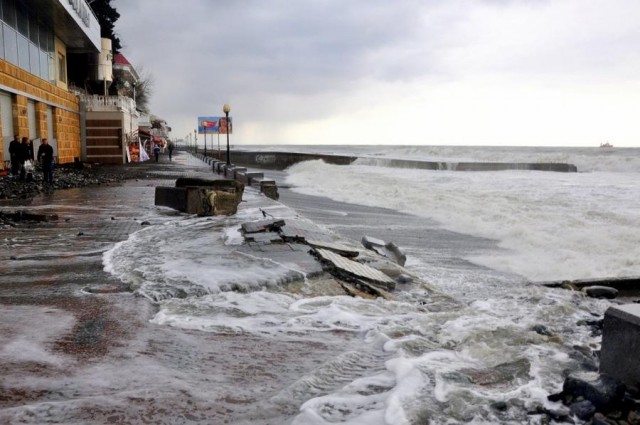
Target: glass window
23,19
51,46
44,65
9,12
44,39
62,68
34,59
10,38
33,30
23,52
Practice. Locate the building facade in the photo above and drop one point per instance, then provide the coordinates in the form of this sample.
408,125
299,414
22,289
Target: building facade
42,44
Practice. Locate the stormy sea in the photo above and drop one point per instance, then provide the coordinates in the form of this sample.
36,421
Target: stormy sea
485,239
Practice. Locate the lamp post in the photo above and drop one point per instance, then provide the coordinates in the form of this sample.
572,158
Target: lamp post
226,109
204,129
195,140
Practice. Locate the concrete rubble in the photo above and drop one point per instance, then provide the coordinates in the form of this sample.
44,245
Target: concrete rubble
359,272
387,249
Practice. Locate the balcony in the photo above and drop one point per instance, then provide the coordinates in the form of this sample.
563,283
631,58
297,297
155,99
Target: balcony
97,103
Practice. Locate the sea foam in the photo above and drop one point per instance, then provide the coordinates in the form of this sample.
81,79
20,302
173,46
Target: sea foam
551,226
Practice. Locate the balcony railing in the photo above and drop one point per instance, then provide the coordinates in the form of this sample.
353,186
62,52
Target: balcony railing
108,103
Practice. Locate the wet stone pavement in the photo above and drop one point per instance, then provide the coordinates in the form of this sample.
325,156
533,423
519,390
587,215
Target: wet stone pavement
77,347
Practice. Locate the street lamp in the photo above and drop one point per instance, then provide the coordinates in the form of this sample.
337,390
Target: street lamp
226,109
195,140
204,128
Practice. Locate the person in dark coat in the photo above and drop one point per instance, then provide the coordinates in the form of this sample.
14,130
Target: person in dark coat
45,157
171,148
156,152
14,155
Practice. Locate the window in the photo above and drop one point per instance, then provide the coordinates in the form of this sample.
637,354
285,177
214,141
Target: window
62,68
28,43
9,12
33,30
23,52
10,38
23,19
44,65
34,59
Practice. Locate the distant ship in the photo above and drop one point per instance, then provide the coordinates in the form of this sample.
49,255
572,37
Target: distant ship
606,145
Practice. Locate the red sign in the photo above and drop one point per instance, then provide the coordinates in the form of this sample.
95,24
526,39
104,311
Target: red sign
209,124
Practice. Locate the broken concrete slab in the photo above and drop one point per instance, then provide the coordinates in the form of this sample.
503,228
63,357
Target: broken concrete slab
296,230
352,270
395,253
272,225
387,249
264,238
339,249
372,243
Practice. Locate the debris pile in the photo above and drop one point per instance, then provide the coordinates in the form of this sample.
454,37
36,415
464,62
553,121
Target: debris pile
351,267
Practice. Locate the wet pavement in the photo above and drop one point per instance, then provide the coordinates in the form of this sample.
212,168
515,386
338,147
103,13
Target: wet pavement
77,347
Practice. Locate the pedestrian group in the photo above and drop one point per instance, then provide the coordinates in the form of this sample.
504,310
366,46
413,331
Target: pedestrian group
22,157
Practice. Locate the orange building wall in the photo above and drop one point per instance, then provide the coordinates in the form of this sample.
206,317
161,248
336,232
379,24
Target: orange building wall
66,110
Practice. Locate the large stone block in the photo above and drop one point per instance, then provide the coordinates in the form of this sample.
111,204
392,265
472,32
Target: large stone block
237,170
201,196
251,176
172,197
242,177
269,189
621,344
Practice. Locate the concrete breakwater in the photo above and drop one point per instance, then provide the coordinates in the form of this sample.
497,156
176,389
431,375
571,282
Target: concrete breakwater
282,160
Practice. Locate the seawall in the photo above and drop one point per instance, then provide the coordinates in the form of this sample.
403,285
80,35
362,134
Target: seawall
282,160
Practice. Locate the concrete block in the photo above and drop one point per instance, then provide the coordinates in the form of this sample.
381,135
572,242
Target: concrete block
242,177
194,181
172,197
269,189
621,344
229,171
237,170
252,176
193,202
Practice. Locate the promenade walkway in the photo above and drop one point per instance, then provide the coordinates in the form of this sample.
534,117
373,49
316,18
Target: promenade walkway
77,346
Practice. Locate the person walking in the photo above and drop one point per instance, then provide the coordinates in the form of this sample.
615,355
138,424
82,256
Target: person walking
14,155
171,148
45,157
156,152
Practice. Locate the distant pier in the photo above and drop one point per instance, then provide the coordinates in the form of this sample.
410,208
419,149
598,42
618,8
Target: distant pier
282,160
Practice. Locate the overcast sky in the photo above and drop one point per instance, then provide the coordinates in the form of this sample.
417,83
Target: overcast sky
437,72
